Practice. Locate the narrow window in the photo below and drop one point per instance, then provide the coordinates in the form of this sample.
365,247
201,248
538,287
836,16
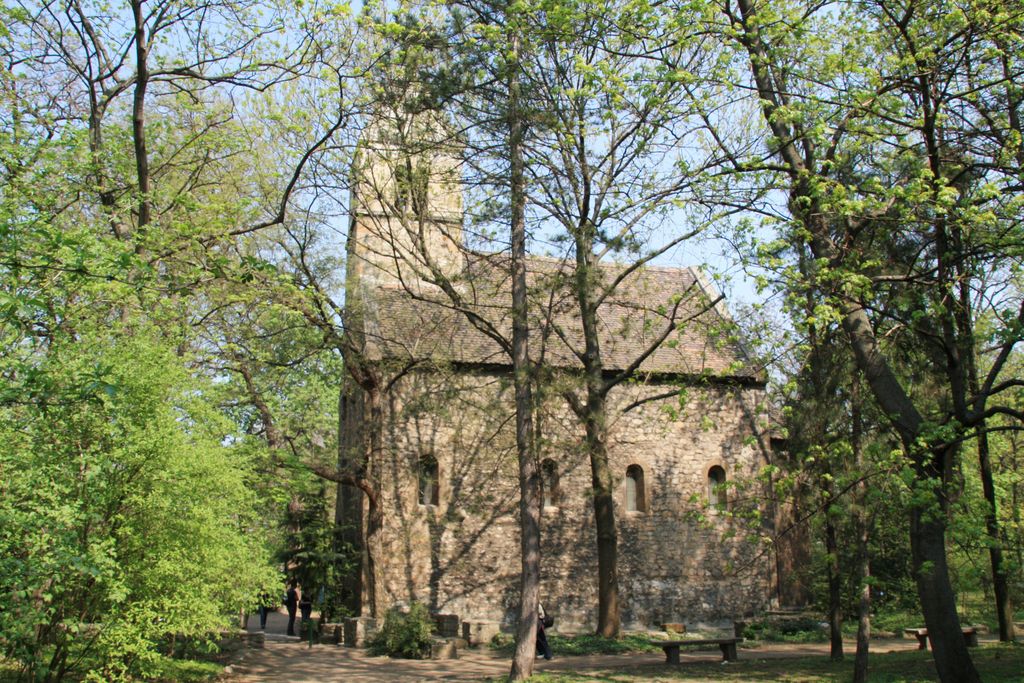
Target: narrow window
549,482
635,498
716,487
428,480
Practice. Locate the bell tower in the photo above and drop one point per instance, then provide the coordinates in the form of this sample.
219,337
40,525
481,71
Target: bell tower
406,208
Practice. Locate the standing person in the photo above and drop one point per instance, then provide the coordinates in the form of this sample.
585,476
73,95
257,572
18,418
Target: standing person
542,640
291,601
306,610
264,609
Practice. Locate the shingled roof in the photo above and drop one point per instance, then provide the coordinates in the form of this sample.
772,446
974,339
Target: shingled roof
425,324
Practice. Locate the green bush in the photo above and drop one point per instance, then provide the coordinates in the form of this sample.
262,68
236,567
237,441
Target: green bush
787,630
404,634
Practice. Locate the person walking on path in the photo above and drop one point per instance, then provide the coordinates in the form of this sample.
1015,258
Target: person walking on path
543,648
291,601
265,609
306,610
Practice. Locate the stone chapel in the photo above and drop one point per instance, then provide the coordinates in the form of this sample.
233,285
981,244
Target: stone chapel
428,419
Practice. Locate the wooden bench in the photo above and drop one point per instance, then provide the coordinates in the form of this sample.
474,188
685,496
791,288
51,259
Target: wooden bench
970,636
671,647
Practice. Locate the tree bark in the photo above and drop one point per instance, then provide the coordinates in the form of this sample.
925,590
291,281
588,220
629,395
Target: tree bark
861,519
594,416
608,622
928,547
529,482
860,661
927,521
139,115
835,592
1000,580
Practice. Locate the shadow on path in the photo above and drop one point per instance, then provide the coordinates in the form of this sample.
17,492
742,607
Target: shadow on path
287,660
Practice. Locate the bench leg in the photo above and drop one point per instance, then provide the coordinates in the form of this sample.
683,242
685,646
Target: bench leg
728,652
922,642
971,639
671,655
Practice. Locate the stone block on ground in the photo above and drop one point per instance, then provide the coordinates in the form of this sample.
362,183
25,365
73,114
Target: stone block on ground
480,632
443,648
332,634
358,630
674,627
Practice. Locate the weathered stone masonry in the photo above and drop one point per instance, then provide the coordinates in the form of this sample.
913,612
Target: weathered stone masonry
678,562
446,410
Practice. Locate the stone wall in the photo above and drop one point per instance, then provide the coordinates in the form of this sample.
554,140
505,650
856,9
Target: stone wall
680,559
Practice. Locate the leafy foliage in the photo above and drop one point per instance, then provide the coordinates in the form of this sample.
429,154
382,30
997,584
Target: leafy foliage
124,514
404,634
786,630
315,555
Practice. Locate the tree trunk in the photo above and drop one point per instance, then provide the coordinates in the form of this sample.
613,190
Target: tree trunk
927,527
835,592
348,505
861,518
1000,583
938,602
529,482
372,604
608,623
595,419
138,115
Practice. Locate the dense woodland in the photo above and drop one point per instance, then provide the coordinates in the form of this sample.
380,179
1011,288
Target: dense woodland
173,217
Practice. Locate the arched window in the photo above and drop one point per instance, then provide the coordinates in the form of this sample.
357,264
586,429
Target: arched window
428,480
549,483
716,487
636,499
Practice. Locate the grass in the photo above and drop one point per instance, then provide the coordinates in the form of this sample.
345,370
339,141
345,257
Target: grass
188,671
585,644
1000,663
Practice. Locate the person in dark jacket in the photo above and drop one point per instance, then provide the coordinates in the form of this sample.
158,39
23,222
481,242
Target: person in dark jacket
291,601
543,648
306,610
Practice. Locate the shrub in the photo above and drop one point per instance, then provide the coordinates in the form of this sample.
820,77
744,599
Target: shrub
404,634
788,630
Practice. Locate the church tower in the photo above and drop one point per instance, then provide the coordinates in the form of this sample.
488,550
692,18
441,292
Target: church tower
406,208
405,230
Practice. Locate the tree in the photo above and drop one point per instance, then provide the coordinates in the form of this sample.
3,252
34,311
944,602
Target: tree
118,219
904,130
127,522
607,169
420,145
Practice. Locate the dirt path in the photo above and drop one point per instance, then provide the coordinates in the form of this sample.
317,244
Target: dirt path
287,660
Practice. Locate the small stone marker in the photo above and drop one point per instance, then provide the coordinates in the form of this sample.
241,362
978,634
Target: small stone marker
443,648
480,632
358,629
